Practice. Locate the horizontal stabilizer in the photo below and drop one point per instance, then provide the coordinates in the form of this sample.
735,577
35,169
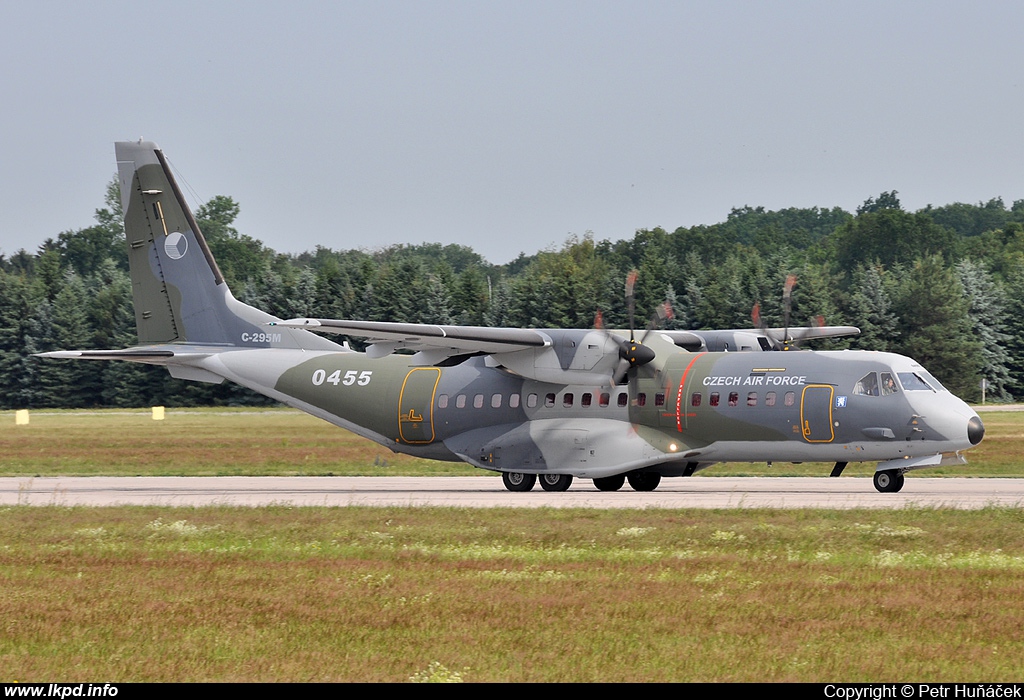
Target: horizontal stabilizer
151,356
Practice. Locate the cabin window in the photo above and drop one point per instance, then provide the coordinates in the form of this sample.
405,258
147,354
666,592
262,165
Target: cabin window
549,400
478,401
752,399
790,398
888,384
641,399
867,385
623,399
734,398
659,399
531,401
586,399
442,401
460,401
495,400
713,398
567,401
769,398
513,401
695,399
604,399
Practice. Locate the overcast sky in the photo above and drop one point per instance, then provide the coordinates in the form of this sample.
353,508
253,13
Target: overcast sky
507,126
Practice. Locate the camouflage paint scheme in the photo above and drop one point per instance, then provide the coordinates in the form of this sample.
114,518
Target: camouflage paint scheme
527,401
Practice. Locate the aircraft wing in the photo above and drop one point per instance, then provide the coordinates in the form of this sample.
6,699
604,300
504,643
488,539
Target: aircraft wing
568,356
814,332
388,337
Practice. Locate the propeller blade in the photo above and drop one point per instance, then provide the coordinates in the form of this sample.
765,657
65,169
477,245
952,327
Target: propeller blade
631,299
787,306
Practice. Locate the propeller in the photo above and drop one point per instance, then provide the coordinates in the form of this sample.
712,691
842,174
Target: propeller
787,308
787,341
633,353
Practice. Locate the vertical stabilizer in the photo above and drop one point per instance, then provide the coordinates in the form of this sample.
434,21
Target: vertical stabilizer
180,295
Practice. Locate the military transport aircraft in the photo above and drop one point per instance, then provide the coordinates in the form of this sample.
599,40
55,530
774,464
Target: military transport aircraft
549,403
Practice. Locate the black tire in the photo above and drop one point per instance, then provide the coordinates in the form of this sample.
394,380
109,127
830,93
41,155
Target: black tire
518,481
644,481
888,481
610,483
555,482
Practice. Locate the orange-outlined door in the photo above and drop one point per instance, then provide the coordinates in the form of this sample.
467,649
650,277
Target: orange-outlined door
816,413
416,405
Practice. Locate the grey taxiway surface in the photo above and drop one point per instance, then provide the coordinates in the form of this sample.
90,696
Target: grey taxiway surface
482,492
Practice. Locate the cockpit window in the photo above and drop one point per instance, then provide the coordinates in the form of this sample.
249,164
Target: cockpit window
888,384
867,386
932,381
912,381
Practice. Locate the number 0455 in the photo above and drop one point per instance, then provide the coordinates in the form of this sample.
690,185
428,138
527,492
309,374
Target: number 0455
336,377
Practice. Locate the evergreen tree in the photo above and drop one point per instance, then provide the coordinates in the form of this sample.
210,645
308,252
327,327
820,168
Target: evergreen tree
935,328
1014,329
17,343
870,309
987,310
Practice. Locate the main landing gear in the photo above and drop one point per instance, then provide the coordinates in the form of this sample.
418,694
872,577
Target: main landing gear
518,481
888,481
610,483
556,482
644,481
638,481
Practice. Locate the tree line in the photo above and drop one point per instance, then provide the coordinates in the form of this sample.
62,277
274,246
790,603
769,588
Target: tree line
936,284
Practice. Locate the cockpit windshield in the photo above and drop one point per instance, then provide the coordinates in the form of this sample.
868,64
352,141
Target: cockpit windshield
916,381
932,381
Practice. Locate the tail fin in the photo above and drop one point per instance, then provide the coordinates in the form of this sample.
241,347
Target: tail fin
179,292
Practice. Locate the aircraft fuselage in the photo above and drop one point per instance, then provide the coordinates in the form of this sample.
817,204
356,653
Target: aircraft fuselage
700,408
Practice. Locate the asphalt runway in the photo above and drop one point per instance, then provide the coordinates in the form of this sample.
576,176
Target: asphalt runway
485,492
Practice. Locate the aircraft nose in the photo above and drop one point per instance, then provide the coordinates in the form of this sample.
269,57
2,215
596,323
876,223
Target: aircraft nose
975,430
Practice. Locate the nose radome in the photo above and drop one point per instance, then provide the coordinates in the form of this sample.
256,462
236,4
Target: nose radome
975,430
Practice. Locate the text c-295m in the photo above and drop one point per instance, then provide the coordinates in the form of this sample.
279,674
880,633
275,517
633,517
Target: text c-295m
261,337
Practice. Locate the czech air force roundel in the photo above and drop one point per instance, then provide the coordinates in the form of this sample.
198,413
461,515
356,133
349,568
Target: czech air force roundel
175,245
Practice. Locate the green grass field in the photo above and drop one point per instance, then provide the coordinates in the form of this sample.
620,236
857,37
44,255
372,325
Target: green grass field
214,442
384,594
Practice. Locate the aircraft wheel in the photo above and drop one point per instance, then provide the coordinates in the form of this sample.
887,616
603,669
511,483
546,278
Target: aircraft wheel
610,483
555,482
888,481
518,481
644,481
